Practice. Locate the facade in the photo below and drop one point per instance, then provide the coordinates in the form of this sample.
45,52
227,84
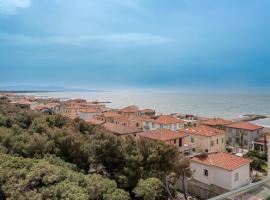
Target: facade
180,140
243,134
223,170
206,139
87,113
163,121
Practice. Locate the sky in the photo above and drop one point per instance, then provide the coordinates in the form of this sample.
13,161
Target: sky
135,43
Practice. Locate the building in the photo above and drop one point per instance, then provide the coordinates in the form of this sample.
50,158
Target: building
163,121
243,134
148,112
87,113
222,170
120,130
129,110
205,138
255,191
180,140
108,116
217,123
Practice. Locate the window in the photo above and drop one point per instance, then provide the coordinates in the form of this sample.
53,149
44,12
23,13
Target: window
137,124
174,141
217,141
212,143
222,140
192,140
153,125
205,172
230,130
236,177
180,142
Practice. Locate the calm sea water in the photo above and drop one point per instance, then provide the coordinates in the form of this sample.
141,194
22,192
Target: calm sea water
210,105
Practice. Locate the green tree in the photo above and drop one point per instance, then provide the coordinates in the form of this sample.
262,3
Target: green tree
149,189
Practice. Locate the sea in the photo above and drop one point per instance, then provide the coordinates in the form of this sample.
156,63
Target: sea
229,106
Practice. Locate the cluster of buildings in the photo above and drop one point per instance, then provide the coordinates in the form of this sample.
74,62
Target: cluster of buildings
214,146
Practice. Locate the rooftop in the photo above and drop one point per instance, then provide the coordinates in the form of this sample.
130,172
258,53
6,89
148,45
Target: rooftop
216,122
222,160
130,109
202,130
120,129
88,110
162,134
244,125
165,119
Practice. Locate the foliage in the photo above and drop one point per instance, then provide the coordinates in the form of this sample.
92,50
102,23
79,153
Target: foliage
57,154
22,178
259,160
149,189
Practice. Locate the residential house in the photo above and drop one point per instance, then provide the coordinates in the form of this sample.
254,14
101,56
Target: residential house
217,123
87,113
243,134
129,110
121,130
163,121
108,116
222,170
180,140
148,112
205,138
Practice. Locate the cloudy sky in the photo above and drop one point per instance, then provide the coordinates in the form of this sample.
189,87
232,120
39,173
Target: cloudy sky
135,43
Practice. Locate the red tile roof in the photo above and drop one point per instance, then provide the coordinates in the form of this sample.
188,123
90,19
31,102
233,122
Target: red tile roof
162,134
111,114
216,122
120,129
148,110
94,121
88,110
222,160
165,119
244,125
202,130
130,109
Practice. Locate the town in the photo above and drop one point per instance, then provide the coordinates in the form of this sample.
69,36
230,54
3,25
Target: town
225,155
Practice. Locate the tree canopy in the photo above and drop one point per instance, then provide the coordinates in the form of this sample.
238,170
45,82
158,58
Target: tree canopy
53,157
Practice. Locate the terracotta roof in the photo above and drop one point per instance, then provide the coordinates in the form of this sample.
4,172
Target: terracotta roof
148,110
111,114
88,110
165,119
216,122
94,121
244,125
119,129
202,130
22,102
130,109
162,134
40,108
222,160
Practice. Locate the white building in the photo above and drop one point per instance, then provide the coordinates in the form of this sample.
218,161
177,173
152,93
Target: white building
223,170
163,121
